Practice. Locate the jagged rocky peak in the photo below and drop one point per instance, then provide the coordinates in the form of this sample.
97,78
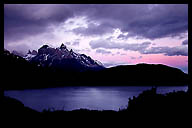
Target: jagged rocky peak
45,49
63,46
62,58
30,55
34,52
44,46
29,52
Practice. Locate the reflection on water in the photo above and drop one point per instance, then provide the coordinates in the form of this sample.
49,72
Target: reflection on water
70,98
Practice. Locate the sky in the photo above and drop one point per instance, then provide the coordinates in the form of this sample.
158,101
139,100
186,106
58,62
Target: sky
114,34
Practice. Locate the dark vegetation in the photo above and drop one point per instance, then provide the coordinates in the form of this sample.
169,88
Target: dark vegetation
21,74
148,106
17,72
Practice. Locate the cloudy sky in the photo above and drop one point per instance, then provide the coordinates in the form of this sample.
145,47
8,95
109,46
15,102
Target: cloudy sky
113,34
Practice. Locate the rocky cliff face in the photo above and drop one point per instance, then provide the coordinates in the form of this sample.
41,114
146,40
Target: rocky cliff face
63,59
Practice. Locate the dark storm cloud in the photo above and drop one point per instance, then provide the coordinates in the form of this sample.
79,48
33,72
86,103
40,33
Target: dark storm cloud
25,20
143,48
121,36
94,30
160,21
102,51
147,21
168,51
113,45
185,42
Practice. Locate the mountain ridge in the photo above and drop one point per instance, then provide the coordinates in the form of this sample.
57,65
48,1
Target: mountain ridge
19,73
62,59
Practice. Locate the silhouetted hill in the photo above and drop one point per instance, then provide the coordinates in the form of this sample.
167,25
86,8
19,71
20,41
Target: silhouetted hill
14,110
143,74
19,73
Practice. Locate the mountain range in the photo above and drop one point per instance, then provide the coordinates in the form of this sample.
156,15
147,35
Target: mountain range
62,59
52,67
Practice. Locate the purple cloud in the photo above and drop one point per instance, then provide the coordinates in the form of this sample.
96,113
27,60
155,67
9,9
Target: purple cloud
102,51
168,51
75,43
148,21
114,45
32,19
185,42
94,30
140,20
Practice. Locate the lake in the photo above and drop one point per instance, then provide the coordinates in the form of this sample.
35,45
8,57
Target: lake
70,98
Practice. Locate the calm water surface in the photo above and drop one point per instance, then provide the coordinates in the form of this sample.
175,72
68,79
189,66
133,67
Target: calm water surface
70,98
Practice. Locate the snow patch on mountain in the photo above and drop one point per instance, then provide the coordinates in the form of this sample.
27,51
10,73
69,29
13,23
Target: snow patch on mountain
60,57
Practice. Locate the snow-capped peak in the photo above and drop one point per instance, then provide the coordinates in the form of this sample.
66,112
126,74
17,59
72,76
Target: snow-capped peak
60,57
63,46
29,56
99,63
